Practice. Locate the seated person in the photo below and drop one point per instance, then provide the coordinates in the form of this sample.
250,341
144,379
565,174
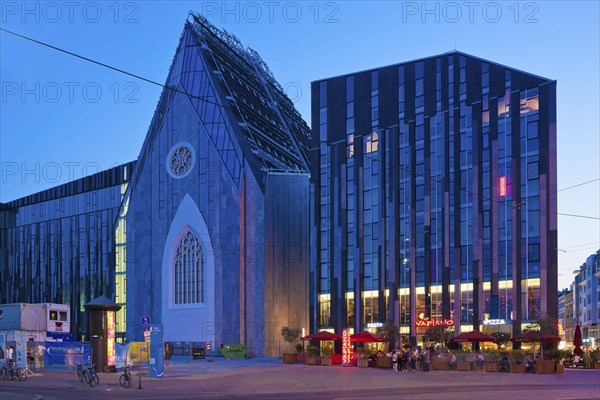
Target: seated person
452,361
576,360
479,360
505,363
529,364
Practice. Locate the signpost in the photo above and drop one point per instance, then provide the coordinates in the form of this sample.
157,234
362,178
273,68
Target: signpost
146,321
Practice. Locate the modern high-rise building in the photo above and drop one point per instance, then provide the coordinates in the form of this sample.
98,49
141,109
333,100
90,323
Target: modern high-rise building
206,233
433,197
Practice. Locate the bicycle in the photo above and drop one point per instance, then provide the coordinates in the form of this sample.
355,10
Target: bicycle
13,373
92,376
86,373
125,379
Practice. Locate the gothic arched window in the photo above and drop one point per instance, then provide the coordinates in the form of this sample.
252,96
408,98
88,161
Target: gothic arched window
189,271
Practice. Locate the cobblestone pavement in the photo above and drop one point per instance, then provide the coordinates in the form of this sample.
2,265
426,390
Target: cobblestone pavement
220,378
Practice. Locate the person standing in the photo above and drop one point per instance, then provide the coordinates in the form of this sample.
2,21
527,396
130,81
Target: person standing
9,356
40,350
394,360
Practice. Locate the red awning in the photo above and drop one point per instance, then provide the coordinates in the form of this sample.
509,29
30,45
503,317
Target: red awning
534,336
366,337
322,336
473,336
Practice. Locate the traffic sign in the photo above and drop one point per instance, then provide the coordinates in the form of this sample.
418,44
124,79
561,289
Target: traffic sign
146,321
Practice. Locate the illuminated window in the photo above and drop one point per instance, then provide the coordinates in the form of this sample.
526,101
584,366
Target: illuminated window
350,143
486,117
189,271
530,104
371,142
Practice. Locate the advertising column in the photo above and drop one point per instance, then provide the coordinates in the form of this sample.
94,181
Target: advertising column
157,348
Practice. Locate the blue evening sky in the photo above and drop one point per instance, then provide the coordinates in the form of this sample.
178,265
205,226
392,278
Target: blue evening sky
63,118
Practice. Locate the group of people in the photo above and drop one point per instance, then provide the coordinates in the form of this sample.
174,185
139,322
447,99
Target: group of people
34,354
411,360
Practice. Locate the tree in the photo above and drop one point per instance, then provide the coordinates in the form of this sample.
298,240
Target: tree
390,332
501,338
440,333
547,325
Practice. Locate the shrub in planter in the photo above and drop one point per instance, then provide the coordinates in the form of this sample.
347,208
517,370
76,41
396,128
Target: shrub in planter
290,334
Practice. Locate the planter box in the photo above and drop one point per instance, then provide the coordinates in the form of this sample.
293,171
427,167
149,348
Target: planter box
440,364
313,360
290,358
560,369
597,364
517,368
362,363
544,366
464,366
384,362
491,367
326,361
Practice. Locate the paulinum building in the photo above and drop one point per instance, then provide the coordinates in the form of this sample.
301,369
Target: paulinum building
433,196
206,233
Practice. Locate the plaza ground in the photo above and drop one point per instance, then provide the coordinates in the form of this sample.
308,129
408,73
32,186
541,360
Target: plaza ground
262,378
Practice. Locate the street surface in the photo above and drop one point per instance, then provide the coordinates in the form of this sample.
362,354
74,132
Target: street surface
219,378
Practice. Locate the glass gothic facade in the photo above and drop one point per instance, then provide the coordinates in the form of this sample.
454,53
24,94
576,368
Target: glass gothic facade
433,188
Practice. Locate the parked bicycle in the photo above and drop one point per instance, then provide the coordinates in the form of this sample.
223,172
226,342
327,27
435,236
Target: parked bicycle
125,379
13,373
86,373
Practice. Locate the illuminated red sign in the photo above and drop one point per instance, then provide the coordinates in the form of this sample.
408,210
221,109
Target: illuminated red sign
427,322
110,335
346,347
502,186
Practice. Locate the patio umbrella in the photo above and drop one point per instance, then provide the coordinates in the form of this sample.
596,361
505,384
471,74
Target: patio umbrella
536,336
473,336
578,341
322,336
366,337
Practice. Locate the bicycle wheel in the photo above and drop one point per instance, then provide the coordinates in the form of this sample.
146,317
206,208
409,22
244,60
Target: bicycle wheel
22,375
86,375
125,380
94,378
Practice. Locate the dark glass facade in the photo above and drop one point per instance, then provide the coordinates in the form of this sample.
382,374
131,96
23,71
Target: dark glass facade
60,245
433,196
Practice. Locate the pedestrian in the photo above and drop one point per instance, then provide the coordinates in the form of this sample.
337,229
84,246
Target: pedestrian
394,360
9,356
39,363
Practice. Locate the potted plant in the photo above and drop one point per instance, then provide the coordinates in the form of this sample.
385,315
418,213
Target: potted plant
326,353
559,357
595,354
312,352
491,360
362,357
464,364
516,359
290,335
